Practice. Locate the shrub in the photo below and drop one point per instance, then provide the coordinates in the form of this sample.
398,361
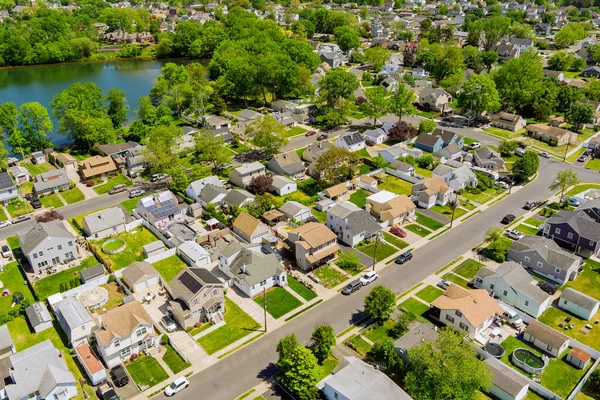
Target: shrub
189,329
475,190
164,339
111,278
133,357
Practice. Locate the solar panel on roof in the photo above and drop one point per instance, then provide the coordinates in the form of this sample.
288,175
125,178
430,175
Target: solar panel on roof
205,275
164,196
189,282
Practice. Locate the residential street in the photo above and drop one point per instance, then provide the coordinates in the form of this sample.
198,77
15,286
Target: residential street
247,367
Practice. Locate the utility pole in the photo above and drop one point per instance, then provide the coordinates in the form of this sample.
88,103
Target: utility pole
375,250
567,148
265,306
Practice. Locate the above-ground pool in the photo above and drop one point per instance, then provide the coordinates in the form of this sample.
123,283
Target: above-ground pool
495,350
528,361
94,298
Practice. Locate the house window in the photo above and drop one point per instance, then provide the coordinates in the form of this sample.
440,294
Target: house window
71,244
540,264
491,286
505,293
527,258
526,302
570,235
565,302
59,247
458,313
463,327
41,254
335,395
141,342
592,243
117,343
125,352
60,395
557,231
549,348
449,318
35,255
141,331
479,280
557,270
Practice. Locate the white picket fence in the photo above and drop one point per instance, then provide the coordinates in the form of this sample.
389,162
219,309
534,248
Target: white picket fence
161,256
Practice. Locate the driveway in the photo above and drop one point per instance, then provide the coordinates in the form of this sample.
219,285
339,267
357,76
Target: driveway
364,259
88,192
126,391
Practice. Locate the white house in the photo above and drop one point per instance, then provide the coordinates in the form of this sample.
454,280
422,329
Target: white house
195,188
377,136
456,178
350,223
351,142
104,223
242,176
48,244
74,319
193,254
578,303
160,209
39,317
282,185
294,210
545,338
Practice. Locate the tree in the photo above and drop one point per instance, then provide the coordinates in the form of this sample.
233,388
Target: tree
301,373
564,180
146,111
526,166
260,184
209,148
377,103
379,303
453,204
377,56
427,125
580,114
336,163
561,61
380,162
569,34
35,123
548,18
493,233
11,132
175,76
522,31
479,94
321,342
385,355
117,107
446,369
491,30
518,81
402,324
402,103
337,85
285,347
488,59
401,132
268,134
161,148
507,147
347,38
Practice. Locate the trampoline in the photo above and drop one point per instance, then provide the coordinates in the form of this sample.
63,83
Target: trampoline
495,350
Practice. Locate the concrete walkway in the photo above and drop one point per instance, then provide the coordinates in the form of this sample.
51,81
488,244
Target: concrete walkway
88,192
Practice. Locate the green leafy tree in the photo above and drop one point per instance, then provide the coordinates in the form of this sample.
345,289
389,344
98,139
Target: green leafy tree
526,166
548,18
580,114
379,303
491,30
268,134
385,355
427,126
522,31
335,164
569,34
161,148
592,90
377,57
488,59
518,81
348,261
479,94
35,123
301,373
402,103
564,180
321,342
285,347
380,162
175,76
11,132
336,86
347,38
377,103
446,369
146,111
507,147
117,107
210,148
493,233
561,61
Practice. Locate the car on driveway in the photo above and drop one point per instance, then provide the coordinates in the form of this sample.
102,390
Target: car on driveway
322,137
310,133
394,230
475,145
6,251
369,277
508,218
503,185
119,376
158,177
547,287
544,154
177,386
404,257
351,287
572,201
513,234
168,323
36,203
582,157
444,284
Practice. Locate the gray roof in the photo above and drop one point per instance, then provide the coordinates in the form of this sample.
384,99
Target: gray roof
401,166
518,279
427,139
582,300
315,150
546,334
92,272
292,208
421,332
105,219
280,181
248,168
252,266
40,232
505,378
39,368
110,149
190,281
210,192
193,250
37,314
374,133
236,197
6,340
249,114
6,181
17,170
395,150
198,185
139,271
361,221
289,163
442,169
51,179
547,249
581,222
153,246
343,210
73,312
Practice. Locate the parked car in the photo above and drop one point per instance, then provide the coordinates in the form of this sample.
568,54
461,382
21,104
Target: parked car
520,152
351,287
136,193
404,257
121,187
106,392
177,386
119,376
168,323
36,203
369,277
544,154
513,234
475,145
158,177
21,218
369,143
503,185
508,218
6,251
444,284
530,205
572,201
394,230
322,137
310,133
582,157
30,196
4,224
547,287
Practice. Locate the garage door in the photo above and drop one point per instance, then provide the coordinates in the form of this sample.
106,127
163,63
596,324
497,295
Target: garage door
146,284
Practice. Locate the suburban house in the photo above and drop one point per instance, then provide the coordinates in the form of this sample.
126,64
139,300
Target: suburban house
522,44
351,223
419,333
197,294
456,178
220,127
285,118
74,319
65,160
486,158
39,317
508,121
545,338
337,192
578,303
471,311
21,175
358,380
250,270
544,257
430,192
428,142
38,157
331,54
514,286
351,142
376,136
390,208
8,190
313,245
593,71
434,99
160,209
506,51
193,254
316,150
391,153
403,167
139,276
135,161
296,211
97,167
7,345
118,150
104,223
242,176
237,198
449,137
92,366
506,383
51,181
288,164
48,244
450,152
577,231
249,228
365,182
124,331
282,185
212,194
551,134
39,372
195,188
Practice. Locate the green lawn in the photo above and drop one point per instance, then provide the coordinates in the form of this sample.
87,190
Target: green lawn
468,268
279,302
467,204
429,293
36,169
174,361
503,133
17,207
482,197
384,250
414,306
582,188
202,328
379,333
3,216
359,198
588,281
72,195
329,276
527,230
423,172
456,279
237,325
395,185
394,240
593,164
115,180
52,201
329,365
417,229
302,290
51,283
554,316
13,279
27,187
13,242
240,148
447,212
364,153
169,267
534,222
359,345
146,371
134,241
295,131
130,204
320,215
300,151
429,223
364,169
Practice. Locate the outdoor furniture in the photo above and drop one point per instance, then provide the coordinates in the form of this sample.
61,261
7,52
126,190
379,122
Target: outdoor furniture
148,298
313,277
585,329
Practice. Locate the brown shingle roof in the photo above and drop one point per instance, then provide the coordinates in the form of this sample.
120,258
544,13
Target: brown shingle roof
246,223
96,165
546,334
476,305
121,321
314,234
580,354
434,185
335,190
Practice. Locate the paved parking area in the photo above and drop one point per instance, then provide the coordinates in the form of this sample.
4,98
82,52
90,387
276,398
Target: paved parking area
126,391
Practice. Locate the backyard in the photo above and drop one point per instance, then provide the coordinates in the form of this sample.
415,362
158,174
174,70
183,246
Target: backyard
394,240
36,169
302,290
115,180
134,241
51,201
359,198
174,361
169,267
468,268
237,325
588,281
279,301
320,215
429,293
72,195
329,276
395,185
51,284
115,295
146,371
382,251
554,316
12,278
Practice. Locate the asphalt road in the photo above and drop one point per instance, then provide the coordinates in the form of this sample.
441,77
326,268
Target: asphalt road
247,367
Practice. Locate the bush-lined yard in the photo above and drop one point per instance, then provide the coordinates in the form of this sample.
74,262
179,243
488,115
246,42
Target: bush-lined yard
329,276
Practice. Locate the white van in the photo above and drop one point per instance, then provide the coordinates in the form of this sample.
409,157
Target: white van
520,152
513,318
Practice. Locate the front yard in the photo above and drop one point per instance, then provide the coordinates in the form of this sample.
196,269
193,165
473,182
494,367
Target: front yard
503,133
379,333
51,201
429,223
169,267
134,241
395,185
237,325
382,251
329,276
12,279
52,284
174,361
394,240
295,131
582,188
527,230
359,345
414,306
279,302
593,164
468,268
302,290
115,180
446,211
483,197
417,229
554,316
72,195
17,208
146,372
429,293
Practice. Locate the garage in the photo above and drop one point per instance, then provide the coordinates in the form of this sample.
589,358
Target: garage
139,276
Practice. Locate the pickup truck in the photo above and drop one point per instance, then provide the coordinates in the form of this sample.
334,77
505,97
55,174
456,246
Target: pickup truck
106,392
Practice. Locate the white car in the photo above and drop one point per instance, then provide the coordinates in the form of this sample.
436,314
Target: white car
513,234
544,154
503,185
4,224
168,323
369,277
177,386
475,145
